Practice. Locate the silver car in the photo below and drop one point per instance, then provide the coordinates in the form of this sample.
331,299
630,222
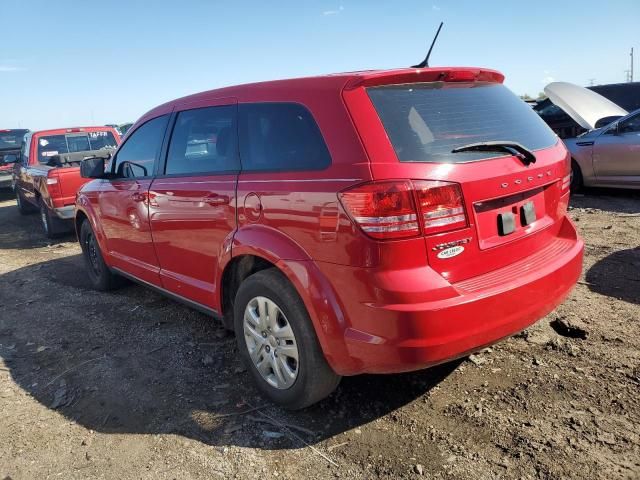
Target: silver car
607,156
604,156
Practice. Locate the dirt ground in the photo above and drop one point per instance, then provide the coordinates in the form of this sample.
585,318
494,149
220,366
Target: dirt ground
132,385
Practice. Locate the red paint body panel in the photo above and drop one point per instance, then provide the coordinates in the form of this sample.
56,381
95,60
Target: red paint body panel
193,218
376,306
124,218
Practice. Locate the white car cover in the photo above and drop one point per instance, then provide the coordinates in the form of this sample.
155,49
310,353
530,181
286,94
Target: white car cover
585,106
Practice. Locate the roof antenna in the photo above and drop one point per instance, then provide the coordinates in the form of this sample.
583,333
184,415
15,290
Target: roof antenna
425,62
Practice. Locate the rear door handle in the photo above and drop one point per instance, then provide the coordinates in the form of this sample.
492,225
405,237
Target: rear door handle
217,200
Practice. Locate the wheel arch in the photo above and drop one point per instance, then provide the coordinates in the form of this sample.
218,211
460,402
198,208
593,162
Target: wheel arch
258,248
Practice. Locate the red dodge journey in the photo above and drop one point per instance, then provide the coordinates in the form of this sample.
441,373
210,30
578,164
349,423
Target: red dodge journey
367,222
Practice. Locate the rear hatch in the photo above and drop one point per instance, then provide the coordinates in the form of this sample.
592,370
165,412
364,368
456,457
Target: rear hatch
478,210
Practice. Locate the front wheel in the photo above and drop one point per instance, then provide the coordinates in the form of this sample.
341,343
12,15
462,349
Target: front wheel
100,276
278,343
576,177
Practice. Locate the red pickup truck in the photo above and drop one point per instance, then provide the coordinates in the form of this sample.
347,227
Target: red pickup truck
46,177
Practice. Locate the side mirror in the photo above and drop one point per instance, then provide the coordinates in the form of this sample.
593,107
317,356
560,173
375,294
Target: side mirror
92,167
603,122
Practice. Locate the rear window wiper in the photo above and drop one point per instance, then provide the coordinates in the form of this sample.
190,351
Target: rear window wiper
514,148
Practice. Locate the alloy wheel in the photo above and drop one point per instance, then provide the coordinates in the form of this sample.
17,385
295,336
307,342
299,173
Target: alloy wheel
271,342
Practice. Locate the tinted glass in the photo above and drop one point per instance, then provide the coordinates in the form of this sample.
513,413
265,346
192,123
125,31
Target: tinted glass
6,158
280,136
11,139
204,140
630,125
138,155
74,142
426,121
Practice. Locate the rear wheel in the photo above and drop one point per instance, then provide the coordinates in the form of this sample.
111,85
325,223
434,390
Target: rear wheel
99,274
576,177
23,206
53,227
278,343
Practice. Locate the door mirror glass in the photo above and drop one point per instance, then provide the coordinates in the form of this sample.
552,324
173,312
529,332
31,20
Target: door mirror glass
92,167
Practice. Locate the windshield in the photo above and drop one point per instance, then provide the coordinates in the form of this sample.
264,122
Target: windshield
51,145
426,121
11,139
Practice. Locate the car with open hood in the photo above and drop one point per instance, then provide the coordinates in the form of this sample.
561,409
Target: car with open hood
608,153
625,95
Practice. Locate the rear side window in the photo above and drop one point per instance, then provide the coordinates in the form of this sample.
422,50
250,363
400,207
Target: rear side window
51,145
204,140
426,121
138,155
280,136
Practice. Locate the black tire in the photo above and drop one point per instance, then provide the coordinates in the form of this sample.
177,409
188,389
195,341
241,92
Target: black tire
315,380
52,226
576,177
100,276
24,207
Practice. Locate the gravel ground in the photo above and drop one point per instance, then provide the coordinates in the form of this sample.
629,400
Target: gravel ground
132,385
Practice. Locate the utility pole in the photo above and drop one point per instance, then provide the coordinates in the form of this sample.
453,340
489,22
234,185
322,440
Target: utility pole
592,82
631,69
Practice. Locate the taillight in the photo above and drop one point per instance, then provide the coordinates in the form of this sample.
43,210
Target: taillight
389,210
441,205
53,186
383,210
566,183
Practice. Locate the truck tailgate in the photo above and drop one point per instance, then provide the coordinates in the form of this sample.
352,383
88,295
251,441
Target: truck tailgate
69,182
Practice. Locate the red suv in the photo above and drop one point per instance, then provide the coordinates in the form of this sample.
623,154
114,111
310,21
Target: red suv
374,222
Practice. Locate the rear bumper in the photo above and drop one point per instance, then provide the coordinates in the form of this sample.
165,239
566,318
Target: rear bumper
5,180
388,338
65,213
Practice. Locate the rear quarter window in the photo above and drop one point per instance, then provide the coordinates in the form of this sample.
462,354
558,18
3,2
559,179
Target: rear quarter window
426,121
280,137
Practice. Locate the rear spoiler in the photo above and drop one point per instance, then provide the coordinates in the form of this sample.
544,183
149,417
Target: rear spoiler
65,159
420,75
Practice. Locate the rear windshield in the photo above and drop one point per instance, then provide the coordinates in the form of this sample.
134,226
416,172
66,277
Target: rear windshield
426,121
11,139
51,145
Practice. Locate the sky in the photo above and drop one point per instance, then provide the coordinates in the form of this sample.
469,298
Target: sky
70,63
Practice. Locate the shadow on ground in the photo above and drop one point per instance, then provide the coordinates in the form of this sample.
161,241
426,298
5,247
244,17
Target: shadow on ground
23,231
610,199
132,361
617,275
